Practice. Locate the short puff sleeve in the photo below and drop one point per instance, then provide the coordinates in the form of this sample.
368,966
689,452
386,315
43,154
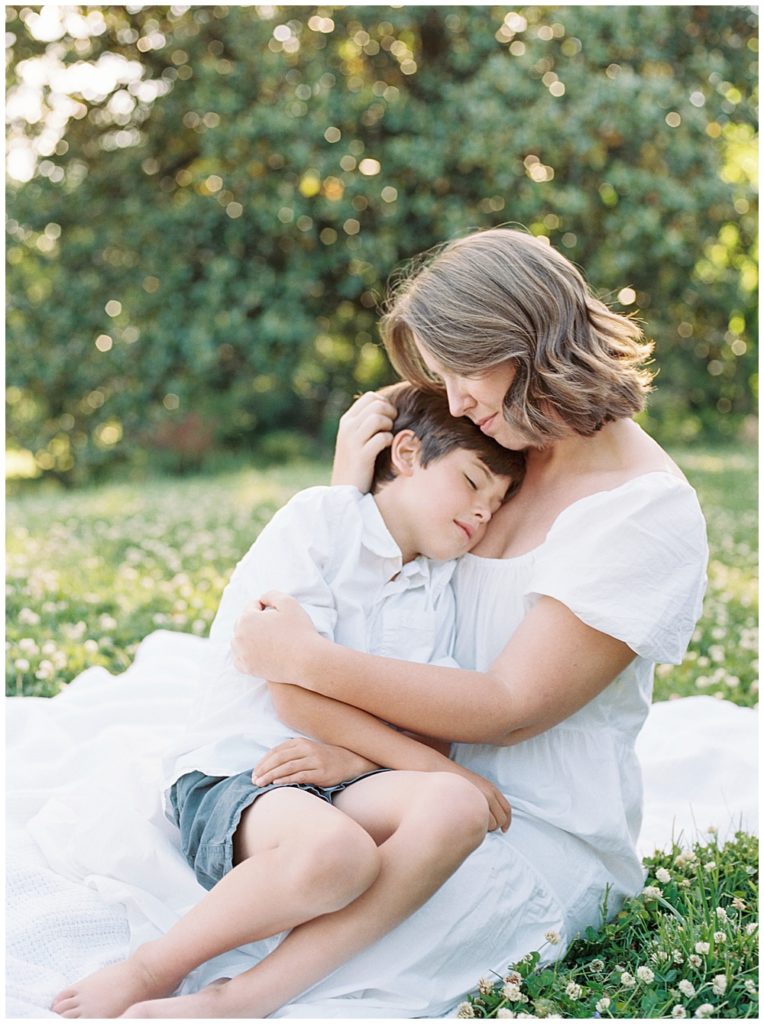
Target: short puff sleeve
630,562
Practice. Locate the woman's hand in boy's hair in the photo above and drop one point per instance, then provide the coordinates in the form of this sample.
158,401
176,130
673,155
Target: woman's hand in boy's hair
306,761
364,430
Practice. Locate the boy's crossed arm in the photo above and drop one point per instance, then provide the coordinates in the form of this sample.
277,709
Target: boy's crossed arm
377,744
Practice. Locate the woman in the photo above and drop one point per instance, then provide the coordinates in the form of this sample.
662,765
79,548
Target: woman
590,575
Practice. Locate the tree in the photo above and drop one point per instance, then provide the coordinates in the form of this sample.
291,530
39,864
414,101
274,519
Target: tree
198,260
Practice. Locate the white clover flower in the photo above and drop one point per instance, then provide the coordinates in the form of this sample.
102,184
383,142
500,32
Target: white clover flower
602,1004
21,665
645,974
513,978
91,646
679,1011
573,991
29,618
721,914
485,986
684,883
465,1010
739,904
27,645
720,937
686,988
750,986
694,960
662,875
712,830
719,984
512,992
627,980
751,928
552,937
652,892
705,1010
676,956
710,865
504,1012
702,947
597,966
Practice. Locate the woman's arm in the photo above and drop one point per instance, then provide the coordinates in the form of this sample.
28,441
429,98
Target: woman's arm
553,665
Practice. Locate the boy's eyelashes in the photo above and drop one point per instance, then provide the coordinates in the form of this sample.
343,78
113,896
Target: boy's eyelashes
471,482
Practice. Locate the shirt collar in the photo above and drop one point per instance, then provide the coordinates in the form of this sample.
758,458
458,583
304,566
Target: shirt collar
376,536
378,539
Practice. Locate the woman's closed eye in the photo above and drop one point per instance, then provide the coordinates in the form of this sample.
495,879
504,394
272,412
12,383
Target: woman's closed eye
471,482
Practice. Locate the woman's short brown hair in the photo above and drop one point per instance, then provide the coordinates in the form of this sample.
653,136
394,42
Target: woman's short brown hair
426,414
502,295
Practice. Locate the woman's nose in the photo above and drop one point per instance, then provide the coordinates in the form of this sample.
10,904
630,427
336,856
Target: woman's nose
459,401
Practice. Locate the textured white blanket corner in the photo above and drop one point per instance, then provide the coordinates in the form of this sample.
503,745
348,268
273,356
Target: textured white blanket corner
82,803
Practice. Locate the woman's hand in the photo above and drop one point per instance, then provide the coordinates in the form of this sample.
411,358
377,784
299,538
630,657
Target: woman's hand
364,430
306,761
269,634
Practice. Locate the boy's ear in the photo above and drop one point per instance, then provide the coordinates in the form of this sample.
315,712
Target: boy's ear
404,452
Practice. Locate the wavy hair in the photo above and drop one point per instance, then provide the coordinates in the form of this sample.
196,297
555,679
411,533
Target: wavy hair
502,295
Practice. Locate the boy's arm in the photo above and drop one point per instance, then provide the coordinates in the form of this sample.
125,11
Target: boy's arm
342,725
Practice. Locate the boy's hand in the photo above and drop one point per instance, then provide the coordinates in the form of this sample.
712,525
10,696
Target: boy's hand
309,762
498,805
364,430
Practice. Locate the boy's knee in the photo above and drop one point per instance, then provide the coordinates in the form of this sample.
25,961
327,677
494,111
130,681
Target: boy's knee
459,807
340,863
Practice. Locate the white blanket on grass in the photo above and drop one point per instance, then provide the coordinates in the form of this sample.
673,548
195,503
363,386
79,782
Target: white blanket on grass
83,810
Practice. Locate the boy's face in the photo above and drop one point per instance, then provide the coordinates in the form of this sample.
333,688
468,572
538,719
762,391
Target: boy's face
452,500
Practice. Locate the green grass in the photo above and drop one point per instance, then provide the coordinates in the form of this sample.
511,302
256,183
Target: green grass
686,947
91,573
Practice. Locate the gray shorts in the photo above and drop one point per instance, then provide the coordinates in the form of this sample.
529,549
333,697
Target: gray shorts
208,811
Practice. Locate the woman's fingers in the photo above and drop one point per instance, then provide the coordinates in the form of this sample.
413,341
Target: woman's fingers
370,401
364,430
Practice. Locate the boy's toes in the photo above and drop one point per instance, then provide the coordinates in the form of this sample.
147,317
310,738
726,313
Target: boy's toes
62,997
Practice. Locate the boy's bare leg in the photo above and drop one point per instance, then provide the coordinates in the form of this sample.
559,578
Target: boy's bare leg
427,824
298,857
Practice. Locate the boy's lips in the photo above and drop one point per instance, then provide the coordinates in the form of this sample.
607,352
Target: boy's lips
468,530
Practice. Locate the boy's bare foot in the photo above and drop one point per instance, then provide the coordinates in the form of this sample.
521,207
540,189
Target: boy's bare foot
205,1004
110,991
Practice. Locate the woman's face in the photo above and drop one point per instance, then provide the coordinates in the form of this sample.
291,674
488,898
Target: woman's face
480,398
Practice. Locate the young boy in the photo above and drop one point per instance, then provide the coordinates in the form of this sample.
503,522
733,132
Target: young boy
373,572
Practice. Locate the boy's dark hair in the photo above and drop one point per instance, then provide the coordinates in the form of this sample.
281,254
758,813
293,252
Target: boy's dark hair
426,413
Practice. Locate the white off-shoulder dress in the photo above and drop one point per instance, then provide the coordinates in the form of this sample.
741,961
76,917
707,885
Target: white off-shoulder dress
630,562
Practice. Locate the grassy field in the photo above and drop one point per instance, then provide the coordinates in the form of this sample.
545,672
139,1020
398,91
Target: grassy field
90,573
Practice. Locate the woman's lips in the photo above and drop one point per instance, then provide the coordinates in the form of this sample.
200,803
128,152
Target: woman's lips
483,424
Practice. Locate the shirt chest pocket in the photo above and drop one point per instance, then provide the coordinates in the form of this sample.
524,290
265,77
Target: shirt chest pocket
410,634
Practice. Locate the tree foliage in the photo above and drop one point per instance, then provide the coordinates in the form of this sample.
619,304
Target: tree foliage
197,259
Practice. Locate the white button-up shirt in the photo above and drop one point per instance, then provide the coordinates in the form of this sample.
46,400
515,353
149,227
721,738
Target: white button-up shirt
330,549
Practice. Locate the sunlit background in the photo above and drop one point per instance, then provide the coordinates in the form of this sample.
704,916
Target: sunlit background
205,204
